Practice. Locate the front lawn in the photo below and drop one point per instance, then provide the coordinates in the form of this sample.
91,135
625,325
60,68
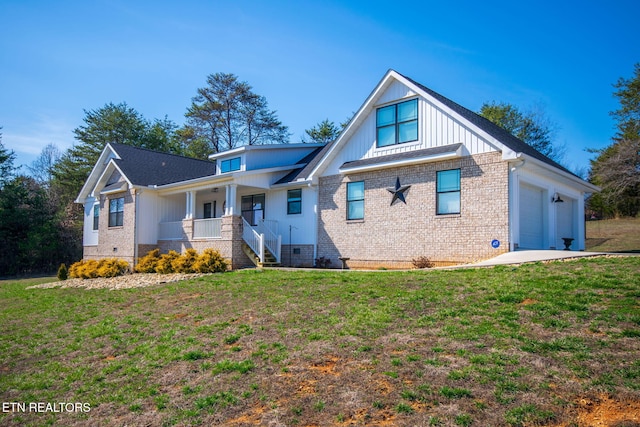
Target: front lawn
539,344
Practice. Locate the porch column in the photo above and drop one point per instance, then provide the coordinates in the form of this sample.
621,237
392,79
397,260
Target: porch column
230,201
190,209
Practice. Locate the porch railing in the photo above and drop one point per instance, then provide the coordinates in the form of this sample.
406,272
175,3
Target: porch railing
272,240
210,228
261,236
171,231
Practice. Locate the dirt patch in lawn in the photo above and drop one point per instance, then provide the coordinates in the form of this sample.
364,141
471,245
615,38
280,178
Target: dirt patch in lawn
607,412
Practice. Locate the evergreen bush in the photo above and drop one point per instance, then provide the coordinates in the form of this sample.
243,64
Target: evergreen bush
149,262
210,261
184,263
164,263
63,273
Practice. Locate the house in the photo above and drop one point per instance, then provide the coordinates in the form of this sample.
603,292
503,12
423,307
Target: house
413,174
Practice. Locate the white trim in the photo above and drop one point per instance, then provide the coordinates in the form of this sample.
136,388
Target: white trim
403,162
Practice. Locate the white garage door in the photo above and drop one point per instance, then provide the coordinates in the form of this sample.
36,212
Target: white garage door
531,222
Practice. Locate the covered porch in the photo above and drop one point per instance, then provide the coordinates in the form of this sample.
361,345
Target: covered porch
229,218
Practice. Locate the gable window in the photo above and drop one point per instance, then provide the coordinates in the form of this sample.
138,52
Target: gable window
448,192
230,165
294,202
355,200
116,212
96,216
397,123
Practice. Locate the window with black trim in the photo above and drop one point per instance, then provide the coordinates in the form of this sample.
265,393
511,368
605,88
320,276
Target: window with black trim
397,123
448,192
355,200
230,165
294,202
116,212
253,208
96,216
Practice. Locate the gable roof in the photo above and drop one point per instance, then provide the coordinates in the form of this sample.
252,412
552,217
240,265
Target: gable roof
499,133
502,139
145,167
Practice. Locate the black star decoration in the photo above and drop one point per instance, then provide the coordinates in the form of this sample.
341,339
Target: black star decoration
398,192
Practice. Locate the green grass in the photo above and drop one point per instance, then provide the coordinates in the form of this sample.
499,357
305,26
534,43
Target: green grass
320,347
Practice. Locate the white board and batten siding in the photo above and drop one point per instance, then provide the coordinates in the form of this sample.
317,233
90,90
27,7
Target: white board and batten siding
436,128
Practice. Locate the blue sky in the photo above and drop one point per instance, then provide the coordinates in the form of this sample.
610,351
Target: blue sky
311,60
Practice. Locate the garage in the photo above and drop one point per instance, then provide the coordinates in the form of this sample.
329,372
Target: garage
531,217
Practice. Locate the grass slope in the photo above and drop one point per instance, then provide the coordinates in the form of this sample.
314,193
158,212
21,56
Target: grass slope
513,346
614,235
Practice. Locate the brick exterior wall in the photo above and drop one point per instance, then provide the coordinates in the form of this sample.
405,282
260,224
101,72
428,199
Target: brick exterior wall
391,236
302,259
115,242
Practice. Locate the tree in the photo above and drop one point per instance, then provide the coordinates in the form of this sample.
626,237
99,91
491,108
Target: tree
628,115
322,133
161,136
6,163
617,171
109,124
532,127
28,229
617,168
41,169
227,114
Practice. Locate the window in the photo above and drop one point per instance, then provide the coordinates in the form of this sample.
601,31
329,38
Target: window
355,200
96,216
397,123
448,192
116,212
294,202
209,210
253,208
230,165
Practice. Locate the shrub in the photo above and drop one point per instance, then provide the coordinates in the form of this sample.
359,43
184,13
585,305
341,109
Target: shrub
422,262
91,269
149,262
184,263
85,269
63,273
112,267
210,261
164,263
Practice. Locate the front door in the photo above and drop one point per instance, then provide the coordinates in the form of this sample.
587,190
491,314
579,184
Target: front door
253,208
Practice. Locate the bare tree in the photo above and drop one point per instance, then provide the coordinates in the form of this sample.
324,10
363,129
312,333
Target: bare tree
41,169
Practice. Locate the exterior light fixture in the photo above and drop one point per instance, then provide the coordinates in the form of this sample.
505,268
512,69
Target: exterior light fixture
556,198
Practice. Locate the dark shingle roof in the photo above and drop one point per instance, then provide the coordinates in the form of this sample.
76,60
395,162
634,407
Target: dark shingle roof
146,167
492,129
308,163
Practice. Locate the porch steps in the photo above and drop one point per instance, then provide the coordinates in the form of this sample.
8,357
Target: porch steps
270,260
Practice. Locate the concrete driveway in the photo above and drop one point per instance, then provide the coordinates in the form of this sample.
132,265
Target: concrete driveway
519,257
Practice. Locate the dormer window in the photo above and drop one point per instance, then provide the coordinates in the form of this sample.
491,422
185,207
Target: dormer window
397,123
230,165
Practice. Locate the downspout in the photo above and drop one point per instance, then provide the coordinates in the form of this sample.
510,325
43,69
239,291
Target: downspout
135,230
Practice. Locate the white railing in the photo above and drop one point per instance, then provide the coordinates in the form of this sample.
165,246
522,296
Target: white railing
210,228
170,231
272,240
254,239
